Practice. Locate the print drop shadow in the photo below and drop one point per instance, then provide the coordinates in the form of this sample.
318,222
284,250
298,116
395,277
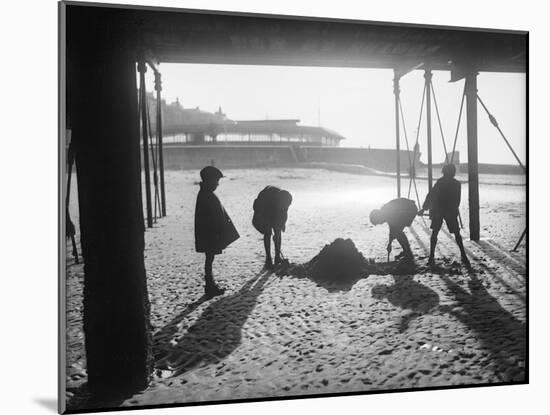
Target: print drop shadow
406,293
213,336
48,403
501,334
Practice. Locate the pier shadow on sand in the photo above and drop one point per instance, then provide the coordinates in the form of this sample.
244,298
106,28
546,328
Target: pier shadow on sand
408,294
500,333
504,256
212,337
479,262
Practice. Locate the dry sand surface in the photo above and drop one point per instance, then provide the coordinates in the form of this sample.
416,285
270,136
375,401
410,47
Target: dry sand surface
274,334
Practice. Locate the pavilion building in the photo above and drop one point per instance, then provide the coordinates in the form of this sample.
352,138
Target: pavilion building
196,126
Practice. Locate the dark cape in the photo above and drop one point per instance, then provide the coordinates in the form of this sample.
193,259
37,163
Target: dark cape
214,230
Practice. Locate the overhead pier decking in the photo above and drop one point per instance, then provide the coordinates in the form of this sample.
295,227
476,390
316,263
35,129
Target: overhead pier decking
102,45
212,37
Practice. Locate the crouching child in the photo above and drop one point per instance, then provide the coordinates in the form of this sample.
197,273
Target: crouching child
398,214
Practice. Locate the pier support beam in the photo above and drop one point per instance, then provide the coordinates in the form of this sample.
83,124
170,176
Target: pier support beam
473,173
428,86
158,88
142,68
102,106
396,92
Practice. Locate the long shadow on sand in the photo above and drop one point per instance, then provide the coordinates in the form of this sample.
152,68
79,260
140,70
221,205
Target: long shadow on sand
503,256
166,333
409,294
379,268
213,336
300,271
480,266
500,333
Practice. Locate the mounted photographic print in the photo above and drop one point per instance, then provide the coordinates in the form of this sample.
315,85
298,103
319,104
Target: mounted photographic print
262,207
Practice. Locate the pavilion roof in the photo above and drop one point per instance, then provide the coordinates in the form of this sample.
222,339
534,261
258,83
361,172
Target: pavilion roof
287,128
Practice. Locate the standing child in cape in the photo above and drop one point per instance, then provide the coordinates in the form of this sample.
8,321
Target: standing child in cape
270,215
214,230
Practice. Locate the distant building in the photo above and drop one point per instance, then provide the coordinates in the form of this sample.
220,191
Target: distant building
195,126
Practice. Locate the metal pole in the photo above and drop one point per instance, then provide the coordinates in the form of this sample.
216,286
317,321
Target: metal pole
520,239
156,198
397,150
473,173
158,88
70,161
495,123
428,81
142,69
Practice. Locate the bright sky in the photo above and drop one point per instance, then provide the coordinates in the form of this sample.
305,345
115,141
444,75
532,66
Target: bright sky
358,103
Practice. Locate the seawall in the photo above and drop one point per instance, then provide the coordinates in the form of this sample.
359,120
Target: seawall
184,156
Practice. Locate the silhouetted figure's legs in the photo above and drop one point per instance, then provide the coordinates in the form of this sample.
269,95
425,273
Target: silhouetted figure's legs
436,226
277,240
75,250
404,242
460,244
209,260
70,232
211,288
267,246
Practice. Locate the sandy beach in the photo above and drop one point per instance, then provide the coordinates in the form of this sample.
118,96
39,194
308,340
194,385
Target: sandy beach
273,334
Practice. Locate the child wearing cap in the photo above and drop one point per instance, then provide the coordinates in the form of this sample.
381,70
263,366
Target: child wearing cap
214,230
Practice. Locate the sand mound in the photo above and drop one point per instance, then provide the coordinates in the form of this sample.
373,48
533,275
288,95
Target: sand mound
339,261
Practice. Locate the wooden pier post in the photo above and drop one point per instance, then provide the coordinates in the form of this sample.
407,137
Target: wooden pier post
158,88
428,84
397,127
142,68
473,173
102,106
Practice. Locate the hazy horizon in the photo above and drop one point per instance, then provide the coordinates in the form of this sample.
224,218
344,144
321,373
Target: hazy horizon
357,103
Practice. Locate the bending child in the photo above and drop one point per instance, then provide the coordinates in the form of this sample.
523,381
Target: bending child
397,213
270,216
